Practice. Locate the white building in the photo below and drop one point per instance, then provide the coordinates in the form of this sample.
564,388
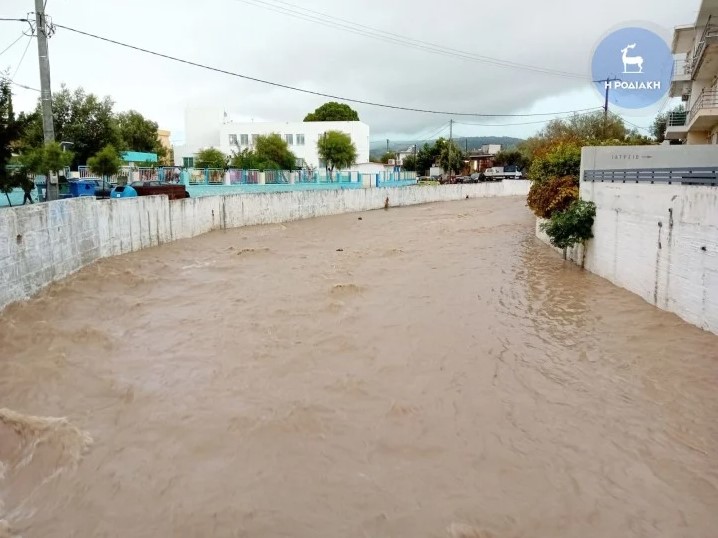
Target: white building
205,128
491,149
695,78
408,152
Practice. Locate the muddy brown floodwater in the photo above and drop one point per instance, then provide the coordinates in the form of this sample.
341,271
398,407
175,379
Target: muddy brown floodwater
444,374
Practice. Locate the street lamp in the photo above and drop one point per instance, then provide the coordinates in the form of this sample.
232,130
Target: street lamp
64,144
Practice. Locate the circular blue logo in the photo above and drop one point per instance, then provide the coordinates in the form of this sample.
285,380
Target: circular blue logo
635,65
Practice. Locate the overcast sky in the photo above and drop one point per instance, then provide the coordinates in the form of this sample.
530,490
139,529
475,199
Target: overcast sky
256,41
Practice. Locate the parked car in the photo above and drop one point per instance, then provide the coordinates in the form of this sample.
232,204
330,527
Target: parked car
475,178
173,191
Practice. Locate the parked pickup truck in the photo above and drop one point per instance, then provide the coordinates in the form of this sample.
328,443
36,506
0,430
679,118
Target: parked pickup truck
501,172
173,191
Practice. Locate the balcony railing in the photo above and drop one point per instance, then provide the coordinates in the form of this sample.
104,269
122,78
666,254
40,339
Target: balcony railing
677,119
707,99
710,33
682,67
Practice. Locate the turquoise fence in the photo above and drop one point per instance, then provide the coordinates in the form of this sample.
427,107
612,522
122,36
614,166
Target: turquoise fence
396,179
303,176
206,176
243,177
208,182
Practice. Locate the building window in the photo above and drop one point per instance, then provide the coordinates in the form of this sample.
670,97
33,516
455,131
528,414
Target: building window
244,139
188,162
290,139
300,139
255,137
233,140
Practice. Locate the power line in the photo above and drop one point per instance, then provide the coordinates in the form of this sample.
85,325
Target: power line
367,31
23,86
629,123
432,136
587,112
13,20
22,58
435,134
302,90
11,44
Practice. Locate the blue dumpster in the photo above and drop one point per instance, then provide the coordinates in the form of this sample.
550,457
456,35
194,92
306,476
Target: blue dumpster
123,191
82,187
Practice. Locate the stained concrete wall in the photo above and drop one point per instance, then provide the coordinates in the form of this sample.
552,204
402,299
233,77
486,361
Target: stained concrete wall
658,241
43,243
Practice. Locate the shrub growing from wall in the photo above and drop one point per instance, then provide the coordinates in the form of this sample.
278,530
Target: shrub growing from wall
552,195
571,226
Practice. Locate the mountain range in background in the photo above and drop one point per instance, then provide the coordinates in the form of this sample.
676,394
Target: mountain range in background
472,142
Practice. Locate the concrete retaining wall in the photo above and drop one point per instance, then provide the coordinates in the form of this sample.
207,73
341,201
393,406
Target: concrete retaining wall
43,243
658,241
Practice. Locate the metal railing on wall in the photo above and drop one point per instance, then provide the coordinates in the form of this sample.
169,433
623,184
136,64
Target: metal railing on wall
685,176
707,99
682,66
677,119
709,33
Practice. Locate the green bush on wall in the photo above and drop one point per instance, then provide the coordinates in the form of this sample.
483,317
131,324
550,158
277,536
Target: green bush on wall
572,226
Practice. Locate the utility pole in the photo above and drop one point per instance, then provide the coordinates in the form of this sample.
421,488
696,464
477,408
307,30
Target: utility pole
451,143
387,145
51,190
607,84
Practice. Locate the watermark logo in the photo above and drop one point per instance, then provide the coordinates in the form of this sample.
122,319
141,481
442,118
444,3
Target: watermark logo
633,66
631,60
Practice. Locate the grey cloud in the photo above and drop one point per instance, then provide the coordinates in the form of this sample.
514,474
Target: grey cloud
555,34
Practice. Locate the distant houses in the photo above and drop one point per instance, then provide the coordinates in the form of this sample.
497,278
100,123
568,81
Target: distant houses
482,159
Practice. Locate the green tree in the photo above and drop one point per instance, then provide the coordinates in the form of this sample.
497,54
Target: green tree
47,158
274,150
210,158
8,134
81,118
512,157
138,133
426,157
386,157
105,163
337,150
562,159
245,160
451,156
409,163
587,127
333,111
271,152
660,123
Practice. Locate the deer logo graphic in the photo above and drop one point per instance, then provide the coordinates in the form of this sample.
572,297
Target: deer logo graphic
631,60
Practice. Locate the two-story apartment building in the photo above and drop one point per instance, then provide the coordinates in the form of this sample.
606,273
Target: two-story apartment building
695,79
206,128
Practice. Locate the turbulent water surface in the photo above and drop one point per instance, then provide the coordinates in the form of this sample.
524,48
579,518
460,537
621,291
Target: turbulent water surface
422,372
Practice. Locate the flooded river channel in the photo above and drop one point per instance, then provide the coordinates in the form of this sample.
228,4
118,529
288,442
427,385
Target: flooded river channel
432,371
